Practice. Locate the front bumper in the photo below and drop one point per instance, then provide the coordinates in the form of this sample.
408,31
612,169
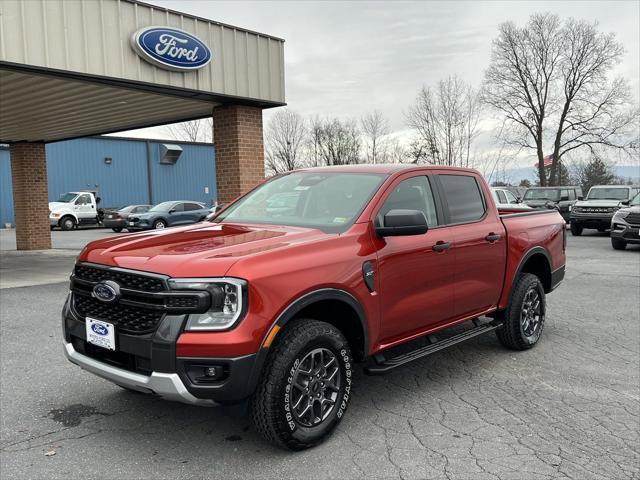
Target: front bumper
166,385
588,220
626,232
148,363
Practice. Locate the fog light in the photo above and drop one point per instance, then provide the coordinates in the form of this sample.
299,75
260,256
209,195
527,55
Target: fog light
213,372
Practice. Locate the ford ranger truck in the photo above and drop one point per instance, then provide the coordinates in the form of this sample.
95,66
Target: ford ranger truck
274,308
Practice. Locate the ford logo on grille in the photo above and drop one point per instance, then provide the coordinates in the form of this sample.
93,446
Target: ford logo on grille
106,291
99,329
171,48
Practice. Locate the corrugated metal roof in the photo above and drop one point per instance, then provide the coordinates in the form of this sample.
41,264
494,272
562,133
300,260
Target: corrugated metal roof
37,107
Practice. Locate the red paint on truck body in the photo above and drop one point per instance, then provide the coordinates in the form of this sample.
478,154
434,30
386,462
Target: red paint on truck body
417,291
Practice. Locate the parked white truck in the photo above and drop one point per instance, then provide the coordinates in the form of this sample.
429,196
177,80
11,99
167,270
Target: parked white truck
73,209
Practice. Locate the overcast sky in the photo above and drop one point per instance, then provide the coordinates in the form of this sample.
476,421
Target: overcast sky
348,58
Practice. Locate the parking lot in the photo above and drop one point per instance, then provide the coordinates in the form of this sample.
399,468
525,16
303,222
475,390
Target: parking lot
569,408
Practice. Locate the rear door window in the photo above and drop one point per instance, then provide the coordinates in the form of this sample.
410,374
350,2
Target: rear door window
501,197
192,206
511,198
462,198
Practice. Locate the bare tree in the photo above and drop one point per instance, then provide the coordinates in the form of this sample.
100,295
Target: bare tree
335,142
549,81
445,120
397,152
375,128
284,142
192,131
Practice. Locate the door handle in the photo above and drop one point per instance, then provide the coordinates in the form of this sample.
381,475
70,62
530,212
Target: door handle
492,237
440,246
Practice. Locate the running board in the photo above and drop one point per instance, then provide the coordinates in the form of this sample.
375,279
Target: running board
383,365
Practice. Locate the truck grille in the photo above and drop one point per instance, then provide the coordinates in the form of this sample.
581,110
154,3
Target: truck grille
145,283
633,218
145,299
128,319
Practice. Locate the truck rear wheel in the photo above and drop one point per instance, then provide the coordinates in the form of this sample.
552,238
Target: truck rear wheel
306,385
523,319
67,223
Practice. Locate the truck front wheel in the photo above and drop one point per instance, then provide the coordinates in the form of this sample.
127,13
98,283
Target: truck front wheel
523,319
306,385
67,223
576,230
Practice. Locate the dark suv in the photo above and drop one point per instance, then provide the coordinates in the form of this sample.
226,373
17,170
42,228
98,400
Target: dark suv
561,198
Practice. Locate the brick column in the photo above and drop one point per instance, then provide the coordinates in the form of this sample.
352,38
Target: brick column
239,150
30,195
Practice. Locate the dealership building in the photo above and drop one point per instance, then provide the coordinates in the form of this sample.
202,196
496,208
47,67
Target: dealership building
79,68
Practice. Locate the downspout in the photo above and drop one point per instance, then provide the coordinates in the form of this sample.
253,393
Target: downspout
149,184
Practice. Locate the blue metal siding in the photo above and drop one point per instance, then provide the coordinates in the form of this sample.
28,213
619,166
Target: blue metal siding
6,192
192,177
79,164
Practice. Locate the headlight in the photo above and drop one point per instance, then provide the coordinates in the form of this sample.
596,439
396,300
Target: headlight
228,301
55,215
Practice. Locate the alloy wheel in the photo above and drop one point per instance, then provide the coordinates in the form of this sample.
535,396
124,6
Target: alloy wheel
316,383
531,316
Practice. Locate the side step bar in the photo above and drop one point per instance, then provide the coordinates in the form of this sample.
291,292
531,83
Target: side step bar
383,365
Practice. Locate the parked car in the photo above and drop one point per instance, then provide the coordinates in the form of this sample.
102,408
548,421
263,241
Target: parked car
117,220
507,202
597,210
561,198
625,224
168,214
73,209
278,306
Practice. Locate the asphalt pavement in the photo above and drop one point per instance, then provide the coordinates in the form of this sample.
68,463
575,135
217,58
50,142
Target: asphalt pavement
569,408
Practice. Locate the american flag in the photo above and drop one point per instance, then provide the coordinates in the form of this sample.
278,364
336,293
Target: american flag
548,160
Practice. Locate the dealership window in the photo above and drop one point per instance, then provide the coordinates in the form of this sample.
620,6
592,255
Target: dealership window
463,198
411,194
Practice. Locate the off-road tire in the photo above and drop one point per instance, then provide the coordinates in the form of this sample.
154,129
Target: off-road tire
67,223
117,229
272,403
576,230
511,334
618,244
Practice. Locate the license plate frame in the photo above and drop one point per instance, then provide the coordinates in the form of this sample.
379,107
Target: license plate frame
101,334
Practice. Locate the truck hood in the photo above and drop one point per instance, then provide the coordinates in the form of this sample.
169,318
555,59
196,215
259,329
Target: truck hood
202,250
540,203
53,206
598,203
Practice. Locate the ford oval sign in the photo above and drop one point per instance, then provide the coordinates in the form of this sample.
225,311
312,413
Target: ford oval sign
107,291
99,329
171,48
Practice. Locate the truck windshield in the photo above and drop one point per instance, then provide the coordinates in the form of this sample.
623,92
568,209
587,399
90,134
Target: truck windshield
635,201
328,201
543,194
67,197
608,194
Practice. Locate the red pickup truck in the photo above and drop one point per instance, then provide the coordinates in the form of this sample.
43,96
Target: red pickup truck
274,300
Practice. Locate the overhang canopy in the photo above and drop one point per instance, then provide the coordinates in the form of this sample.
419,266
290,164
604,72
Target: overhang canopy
72,68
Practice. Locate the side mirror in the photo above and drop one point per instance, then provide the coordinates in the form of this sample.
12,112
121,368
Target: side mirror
403,222
580,197
98,199
564,198
625,202
172,210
